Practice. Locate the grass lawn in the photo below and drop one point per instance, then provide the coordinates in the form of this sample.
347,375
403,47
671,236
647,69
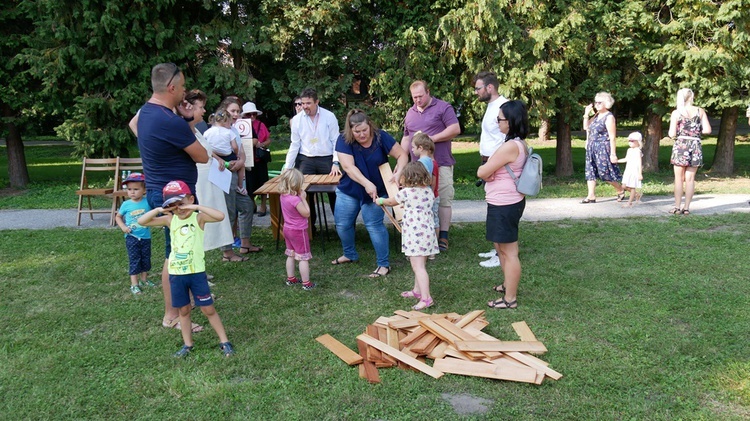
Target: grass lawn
646,319
55,175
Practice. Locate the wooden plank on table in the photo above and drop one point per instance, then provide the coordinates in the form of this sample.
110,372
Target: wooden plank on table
395,353
500,346
531,362
371,372
340,350
487,370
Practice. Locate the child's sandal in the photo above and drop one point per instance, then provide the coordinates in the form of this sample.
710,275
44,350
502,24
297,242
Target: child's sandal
411,294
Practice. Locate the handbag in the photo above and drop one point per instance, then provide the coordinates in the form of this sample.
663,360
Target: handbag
263,155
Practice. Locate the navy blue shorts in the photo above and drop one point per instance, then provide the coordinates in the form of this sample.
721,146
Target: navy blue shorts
502,222
155,200
195,283
139,254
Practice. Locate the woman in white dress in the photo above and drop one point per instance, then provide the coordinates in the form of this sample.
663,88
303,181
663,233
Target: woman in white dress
209,194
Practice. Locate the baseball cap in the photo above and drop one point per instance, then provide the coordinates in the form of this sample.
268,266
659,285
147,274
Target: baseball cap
174,191
134,176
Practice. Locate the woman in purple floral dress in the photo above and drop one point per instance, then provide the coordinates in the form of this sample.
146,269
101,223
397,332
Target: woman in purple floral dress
601,156
687,123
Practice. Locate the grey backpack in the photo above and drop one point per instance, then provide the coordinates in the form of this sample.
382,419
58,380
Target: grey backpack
530,181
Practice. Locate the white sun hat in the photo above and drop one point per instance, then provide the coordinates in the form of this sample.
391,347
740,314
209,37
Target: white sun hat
249,107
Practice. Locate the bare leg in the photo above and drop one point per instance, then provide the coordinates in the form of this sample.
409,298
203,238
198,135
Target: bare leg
304,270
679,178
511,266
290,266
214,320
591,186
618,187
444,215
133,280
170,313
689,185
422,279
186,325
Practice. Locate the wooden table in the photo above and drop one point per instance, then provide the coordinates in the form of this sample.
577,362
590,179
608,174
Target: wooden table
315,184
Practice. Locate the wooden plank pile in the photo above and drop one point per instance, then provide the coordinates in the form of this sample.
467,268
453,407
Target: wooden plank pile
454,342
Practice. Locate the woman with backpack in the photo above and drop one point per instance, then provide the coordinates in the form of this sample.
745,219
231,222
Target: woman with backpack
505,205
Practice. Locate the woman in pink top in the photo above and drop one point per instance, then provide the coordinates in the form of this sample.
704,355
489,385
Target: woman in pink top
505,204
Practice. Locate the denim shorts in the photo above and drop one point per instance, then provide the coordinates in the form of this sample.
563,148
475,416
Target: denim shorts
195,283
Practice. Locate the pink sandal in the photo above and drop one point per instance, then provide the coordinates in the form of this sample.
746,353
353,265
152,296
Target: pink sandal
411,294
423,304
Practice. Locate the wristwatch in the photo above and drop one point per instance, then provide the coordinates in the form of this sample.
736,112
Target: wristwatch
336,163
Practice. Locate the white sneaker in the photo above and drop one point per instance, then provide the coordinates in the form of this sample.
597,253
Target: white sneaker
493,262
488,254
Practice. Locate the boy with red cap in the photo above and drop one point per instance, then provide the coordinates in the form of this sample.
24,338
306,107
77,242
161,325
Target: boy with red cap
187,266
137,237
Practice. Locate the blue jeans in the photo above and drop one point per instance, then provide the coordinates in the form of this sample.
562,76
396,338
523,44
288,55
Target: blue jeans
345,215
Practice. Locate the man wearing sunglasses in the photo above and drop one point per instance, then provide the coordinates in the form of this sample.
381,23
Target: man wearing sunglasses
485,87
169,151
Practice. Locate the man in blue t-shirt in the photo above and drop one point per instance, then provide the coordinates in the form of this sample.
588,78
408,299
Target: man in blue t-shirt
169,151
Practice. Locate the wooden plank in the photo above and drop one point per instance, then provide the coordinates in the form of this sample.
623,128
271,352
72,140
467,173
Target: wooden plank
413,337
487,370
500,346
469,317
463,335
386,173
371,372
450,337
530,361
423,344
383,337
524,331
395,353
373,354
340,350
478,324
438,351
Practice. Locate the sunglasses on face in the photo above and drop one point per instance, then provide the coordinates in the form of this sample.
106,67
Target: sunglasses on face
297,104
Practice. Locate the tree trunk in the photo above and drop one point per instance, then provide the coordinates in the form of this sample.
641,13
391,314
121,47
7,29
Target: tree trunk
18,174
563,151
543,129
652,121
724,158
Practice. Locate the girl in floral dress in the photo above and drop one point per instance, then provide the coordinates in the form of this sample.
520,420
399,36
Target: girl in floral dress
418,239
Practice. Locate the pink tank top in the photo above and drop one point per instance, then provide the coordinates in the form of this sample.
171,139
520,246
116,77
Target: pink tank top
502,190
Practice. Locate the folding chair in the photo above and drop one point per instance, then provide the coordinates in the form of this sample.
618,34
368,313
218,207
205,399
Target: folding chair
94,165
118,196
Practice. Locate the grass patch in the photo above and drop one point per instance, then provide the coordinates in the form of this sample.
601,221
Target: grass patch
654,329
55,175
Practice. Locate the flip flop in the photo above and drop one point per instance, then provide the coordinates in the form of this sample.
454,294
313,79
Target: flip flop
251,249
376,273
338,261
175,324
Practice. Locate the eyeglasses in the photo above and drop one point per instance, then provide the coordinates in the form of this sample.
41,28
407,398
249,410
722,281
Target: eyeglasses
501,119
297,104
176,72
597,102
478,88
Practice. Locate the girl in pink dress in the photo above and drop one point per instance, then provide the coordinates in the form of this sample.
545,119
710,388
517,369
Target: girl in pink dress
296,212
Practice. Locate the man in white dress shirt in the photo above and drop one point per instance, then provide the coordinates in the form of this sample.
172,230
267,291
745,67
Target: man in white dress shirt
313,148
485,86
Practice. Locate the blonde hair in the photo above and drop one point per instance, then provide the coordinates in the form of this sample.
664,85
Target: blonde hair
220,116
606,99
421,140
415,175
684,97
638,137
291,181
